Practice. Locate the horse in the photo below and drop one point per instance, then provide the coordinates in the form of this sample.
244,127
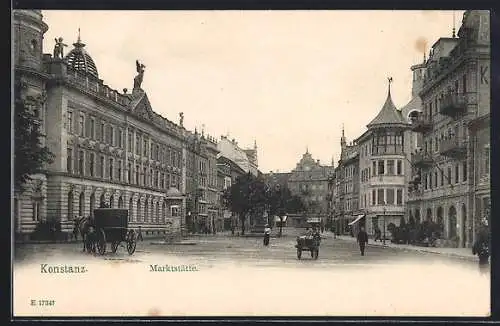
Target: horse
82,226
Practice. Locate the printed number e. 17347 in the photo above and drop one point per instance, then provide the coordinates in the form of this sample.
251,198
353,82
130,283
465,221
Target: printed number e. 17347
43,302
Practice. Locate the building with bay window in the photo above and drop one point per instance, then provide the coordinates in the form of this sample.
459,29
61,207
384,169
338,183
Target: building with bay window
451,183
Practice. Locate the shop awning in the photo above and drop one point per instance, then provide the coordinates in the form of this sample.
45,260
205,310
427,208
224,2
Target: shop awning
357,219
277,218
314,220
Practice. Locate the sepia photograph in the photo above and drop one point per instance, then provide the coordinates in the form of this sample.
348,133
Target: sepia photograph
250,163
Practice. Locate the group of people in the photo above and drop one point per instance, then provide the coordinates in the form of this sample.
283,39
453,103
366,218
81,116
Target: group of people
481,246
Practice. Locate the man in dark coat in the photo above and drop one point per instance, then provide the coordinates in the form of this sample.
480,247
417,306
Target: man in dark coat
481,246
362,240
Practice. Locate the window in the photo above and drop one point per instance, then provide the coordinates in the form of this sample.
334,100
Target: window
92,128
129,173
120,140
119,170
381,167
36,210
151,177
436,179
442,177
390,196
430,180
80,162
426,185
456,173
130,144
144,175
81,125
112,136
449,175
137,142
162,180
69,161
102,166
464,171
70,122
137,174
102,131
145,147
390,167
399,168
399,197
91,164
380,197
111,176
464,83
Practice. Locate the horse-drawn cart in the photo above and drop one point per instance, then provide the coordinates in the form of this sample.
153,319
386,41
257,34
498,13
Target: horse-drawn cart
308,243
111,225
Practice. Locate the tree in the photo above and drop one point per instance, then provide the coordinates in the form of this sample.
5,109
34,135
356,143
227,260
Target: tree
30,156
281,202
246,196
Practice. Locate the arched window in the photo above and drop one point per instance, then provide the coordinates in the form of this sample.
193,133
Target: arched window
131,209
102,200
70,205
452,222
81,204
120,202
138,216
92,204
157,217
164,212
145,218
429,214
111,201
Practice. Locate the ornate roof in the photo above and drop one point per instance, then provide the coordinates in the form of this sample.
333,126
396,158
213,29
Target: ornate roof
389,114
78,59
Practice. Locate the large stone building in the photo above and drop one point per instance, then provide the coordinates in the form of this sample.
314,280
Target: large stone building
245,158
309,180
451,182
345,180
110,147
201,190
382,162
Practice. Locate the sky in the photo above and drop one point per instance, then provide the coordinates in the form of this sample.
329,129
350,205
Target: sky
287,80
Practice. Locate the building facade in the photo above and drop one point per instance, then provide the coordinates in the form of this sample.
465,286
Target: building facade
309,181
382,161
347,185
451,174
110,147
245,158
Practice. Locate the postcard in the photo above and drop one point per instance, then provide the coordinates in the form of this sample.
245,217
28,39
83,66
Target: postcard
251,163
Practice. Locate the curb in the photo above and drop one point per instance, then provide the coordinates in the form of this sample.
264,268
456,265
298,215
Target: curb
472,258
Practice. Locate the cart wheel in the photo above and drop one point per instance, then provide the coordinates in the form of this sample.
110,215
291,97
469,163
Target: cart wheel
114,246
299,253
131,243
316,254
101,242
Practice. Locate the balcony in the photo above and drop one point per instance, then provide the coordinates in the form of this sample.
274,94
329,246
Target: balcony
453,147
421,160
453,104
421,124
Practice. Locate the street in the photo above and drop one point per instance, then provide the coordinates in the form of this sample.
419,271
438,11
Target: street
239,276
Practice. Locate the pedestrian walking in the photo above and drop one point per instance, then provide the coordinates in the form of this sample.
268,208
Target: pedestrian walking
378,234
481,246
139,234
362,240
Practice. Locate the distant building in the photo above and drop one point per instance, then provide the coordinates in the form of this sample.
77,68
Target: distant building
228,172
309,180
451,175
346,177
245,158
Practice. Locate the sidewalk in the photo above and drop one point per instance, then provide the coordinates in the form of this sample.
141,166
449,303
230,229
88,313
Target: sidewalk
465,253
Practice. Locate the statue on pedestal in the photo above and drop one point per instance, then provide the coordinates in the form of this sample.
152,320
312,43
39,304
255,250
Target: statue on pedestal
181,120
58,48
140,70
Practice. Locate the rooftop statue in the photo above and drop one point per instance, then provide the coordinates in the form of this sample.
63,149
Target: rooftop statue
58,48
181,120
140,74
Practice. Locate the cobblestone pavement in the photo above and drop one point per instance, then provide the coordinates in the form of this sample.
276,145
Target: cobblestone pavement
239,276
